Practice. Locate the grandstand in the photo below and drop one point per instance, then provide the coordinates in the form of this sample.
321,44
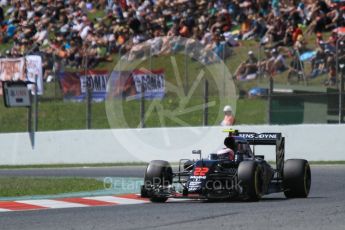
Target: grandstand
293,42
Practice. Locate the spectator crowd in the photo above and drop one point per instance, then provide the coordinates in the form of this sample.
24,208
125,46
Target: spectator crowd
79,31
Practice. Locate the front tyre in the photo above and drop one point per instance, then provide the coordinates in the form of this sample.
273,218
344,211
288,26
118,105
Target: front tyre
158,175
250,178
296,178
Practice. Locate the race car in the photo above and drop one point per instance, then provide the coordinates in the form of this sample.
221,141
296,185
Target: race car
244,176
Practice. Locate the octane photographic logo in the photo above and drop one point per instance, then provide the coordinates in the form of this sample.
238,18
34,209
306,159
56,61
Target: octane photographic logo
167,76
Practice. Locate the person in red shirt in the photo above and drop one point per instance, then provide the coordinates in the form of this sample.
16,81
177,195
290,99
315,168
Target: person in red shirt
296,31
229,118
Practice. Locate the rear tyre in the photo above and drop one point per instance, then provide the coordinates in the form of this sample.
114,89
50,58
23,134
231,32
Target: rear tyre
250,178
158,173
296,178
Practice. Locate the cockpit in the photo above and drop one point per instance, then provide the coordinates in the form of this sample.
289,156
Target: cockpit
240,147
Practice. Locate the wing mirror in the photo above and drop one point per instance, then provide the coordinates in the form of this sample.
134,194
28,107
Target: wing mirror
197,152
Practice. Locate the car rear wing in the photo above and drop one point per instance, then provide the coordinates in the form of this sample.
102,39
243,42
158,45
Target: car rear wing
268,139
261,138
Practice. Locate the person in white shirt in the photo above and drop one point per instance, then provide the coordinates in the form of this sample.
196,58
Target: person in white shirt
40,35
84,32
277,63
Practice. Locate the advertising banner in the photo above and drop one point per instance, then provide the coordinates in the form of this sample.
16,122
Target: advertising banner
97,80
13,69
70,86
127,84
152,82
74,85
34,68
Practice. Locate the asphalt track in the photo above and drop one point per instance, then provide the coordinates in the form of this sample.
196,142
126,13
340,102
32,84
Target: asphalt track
324,209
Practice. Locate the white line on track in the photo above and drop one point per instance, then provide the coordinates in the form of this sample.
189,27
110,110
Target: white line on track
52,203
117,200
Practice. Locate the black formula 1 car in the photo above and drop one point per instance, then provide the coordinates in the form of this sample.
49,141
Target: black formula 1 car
246,176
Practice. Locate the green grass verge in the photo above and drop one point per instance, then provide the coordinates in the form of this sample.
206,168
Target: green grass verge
35,166
28,186
59,115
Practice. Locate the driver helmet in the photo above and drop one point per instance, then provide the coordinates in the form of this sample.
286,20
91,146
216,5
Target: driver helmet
229,142
226,154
